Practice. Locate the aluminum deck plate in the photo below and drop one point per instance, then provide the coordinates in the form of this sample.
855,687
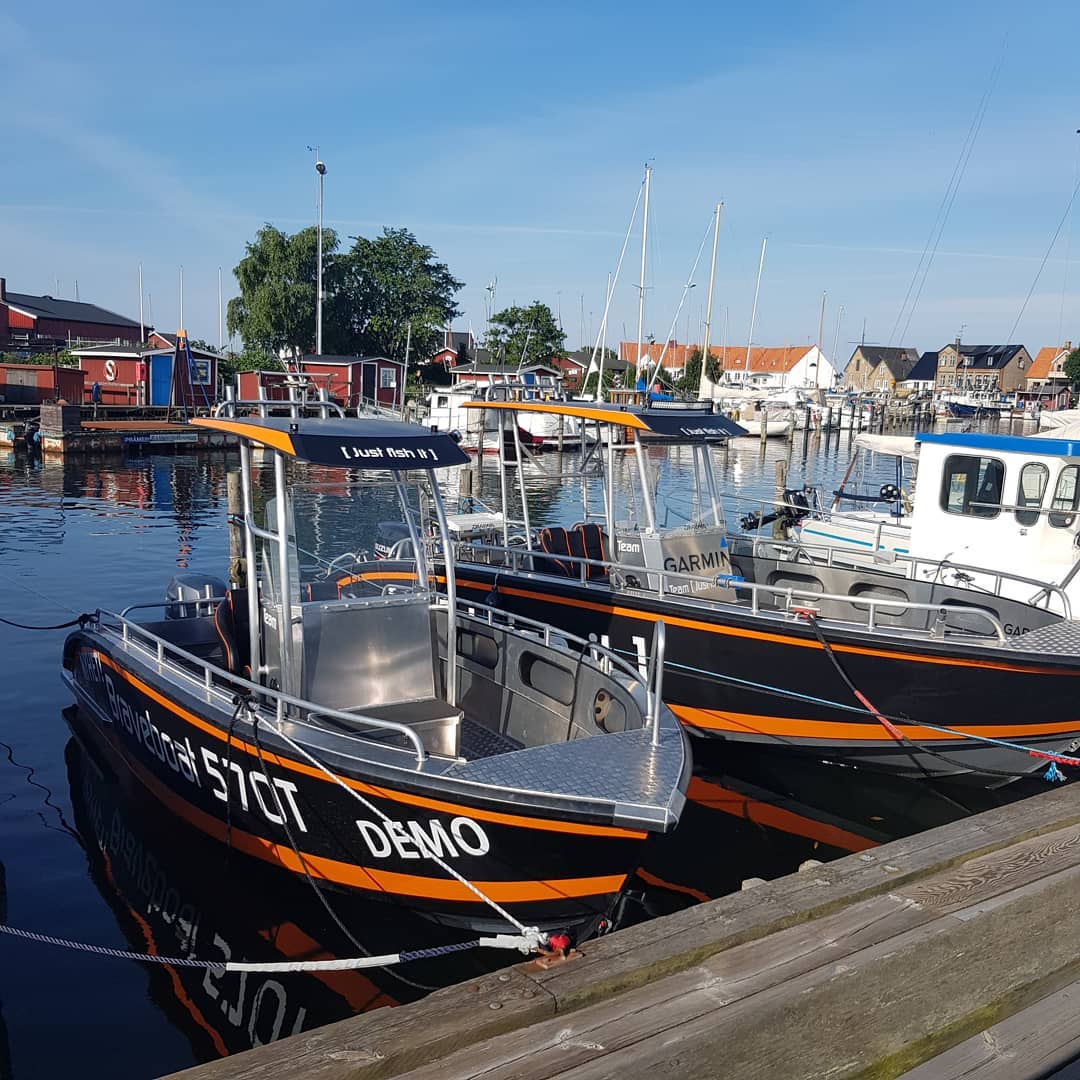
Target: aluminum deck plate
1057,639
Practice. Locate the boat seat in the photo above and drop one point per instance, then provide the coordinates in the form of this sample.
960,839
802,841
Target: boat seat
593,547
436,722
234,631
556,542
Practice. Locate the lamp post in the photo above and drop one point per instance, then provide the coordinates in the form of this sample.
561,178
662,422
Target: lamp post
320,168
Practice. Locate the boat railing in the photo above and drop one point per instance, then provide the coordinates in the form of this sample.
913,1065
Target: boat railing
784,598
213,679
913,568
302,406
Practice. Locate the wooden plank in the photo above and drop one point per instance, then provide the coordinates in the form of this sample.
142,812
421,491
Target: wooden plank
391,1041
794,1007
1042,1037
387,1042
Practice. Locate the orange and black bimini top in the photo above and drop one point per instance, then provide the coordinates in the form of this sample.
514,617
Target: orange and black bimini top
673,420
354,443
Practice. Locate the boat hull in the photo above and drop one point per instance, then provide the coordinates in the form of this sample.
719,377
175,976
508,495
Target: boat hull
746,677
266,801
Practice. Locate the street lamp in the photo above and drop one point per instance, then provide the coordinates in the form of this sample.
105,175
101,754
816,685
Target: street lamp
320,168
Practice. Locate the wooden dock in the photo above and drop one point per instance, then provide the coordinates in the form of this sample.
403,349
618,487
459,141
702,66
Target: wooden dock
954,953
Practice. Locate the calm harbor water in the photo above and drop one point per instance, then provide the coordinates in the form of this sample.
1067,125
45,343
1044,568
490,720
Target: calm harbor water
84,858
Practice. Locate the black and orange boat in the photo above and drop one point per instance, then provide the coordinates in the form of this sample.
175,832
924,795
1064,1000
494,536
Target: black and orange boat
381,737
923,684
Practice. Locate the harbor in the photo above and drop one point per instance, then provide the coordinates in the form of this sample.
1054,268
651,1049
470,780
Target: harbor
758,815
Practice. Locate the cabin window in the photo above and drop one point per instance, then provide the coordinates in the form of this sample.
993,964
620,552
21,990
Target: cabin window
442,401
1066,497
386,378
972,486
1030,491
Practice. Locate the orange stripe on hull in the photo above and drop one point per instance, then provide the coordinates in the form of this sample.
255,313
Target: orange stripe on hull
788,727
758,635
359,877
735,803
544,824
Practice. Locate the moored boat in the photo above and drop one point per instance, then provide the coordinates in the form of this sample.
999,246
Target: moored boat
476,767
867,675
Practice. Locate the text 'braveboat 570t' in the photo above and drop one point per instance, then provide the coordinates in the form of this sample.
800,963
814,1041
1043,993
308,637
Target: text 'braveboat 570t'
378,735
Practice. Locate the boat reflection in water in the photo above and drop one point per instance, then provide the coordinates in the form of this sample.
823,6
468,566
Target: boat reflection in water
176,893
752,813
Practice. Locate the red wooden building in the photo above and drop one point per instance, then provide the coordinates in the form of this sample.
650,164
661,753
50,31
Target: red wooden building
43,323
36,384
153,374
348,380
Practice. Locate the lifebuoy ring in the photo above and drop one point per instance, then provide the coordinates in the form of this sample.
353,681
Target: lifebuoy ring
110,371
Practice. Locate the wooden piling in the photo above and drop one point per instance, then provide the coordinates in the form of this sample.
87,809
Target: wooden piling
234,500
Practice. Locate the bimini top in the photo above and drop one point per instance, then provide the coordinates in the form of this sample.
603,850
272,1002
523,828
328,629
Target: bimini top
683,423
344,443
1016,444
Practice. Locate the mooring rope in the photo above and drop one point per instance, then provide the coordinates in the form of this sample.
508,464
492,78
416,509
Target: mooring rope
522,943
80,620
531,933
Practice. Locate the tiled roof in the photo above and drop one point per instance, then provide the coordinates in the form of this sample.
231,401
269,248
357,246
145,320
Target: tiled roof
45,307
986,357
1044,359
925,370
898,361
734,359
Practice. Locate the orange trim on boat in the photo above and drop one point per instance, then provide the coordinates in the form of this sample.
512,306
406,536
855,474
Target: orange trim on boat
279,440
152,950
717,797
371,880
865,731
494,816
583,412
756,635
686,890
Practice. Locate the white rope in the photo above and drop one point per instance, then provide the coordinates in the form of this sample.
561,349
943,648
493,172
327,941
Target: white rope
530,932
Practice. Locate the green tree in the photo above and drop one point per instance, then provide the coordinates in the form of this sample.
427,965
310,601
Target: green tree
690,382
275,311
248,360
1071,367
383,286
530,335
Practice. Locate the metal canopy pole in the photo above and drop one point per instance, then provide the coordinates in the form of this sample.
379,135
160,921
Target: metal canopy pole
710,485
285,607
501,414
419,550
609,482
646,492
451,593
254,621
521,481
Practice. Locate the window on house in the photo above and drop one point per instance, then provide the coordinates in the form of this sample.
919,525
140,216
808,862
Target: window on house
972,486
1030,491
1066,497
386,378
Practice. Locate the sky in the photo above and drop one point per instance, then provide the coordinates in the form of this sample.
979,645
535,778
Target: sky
511,138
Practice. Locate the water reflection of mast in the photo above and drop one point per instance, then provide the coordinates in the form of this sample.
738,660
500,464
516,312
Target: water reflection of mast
6,1070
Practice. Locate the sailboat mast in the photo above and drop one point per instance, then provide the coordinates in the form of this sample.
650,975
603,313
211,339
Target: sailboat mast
603,347
753,312
703,379
820,328
641,287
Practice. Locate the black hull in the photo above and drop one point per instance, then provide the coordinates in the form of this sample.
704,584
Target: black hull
546,870
738,676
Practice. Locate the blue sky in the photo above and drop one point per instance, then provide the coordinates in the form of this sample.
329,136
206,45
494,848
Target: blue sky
512,138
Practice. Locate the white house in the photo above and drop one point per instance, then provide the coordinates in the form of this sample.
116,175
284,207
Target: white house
803,366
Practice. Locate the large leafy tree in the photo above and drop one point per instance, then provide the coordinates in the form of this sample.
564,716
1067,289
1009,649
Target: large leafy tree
384,286
275,311
529,335
1071,367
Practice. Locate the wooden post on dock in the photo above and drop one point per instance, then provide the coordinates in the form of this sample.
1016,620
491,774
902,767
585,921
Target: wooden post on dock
235,505
763,420
466,489
781,475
